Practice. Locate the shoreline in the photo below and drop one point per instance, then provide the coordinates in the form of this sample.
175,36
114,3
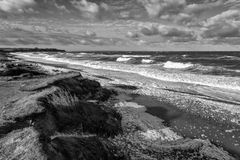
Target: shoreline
181,122
213,81
151,132
231,110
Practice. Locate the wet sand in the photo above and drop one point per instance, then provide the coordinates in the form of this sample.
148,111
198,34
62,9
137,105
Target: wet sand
193,126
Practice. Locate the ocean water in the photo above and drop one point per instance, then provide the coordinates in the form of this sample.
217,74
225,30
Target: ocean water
216,69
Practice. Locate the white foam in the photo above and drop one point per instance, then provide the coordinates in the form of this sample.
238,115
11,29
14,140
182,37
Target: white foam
207,80
136,56
147,61
177,65
53,70
82,54
47,57
123,59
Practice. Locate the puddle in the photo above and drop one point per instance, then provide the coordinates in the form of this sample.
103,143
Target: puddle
193,126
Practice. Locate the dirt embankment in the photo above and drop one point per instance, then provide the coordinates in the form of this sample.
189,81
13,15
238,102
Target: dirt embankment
57,117
69,117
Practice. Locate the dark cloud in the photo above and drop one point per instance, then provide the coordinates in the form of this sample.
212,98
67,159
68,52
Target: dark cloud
170,33
221,31
184,18
175,32
226,24
149,30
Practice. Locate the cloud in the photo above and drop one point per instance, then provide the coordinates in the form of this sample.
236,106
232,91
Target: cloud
153,7
223,31
15,5
186,12
198,9
61,7
163,20
223,25
174,32
177,34
170,33
156,8
184,18
229,16
5,42
90,34
233,4
88,9
149,29
132,35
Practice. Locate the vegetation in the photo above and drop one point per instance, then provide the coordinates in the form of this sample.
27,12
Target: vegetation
56,121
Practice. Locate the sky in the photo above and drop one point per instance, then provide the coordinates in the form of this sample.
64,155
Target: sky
164,25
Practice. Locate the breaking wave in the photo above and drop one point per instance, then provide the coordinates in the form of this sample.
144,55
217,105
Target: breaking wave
136,56
147,61
177,65
123,59
148,71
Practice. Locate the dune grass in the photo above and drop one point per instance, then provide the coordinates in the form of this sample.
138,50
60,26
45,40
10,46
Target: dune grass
73,114
64,100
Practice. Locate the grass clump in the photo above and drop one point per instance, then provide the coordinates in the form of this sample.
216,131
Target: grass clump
63,100
75,115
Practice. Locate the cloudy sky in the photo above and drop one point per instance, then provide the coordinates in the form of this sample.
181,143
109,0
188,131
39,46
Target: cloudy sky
121,24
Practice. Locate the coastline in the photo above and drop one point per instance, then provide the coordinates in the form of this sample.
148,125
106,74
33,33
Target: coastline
144,132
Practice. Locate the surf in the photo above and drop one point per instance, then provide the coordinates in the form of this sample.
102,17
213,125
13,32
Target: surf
177,65
197,79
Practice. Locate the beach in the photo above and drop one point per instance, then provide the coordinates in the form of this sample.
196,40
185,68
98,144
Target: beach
202,110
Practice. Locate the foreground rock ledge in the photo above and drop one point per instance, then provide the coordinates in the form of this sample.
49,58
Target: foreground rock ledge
69,117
